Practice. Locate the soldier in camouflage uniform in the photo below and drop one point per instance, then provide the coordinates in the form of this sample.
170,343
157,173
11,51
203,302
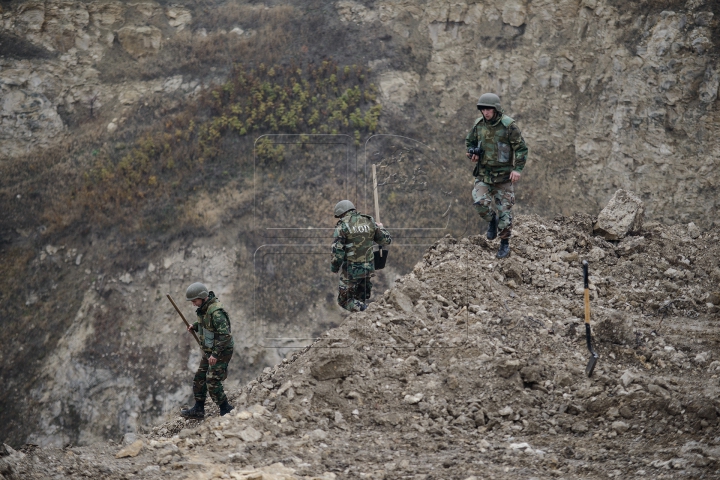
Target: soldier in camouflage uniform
505,155
352,254
213,328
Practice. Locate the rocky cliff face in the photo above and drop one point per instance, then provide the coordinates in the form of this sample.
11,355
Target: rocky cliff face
607,94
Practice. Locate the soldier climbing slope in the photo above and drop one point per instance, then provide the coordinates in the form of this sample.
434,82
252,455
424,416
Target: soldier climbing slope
352,254
213,327
498,148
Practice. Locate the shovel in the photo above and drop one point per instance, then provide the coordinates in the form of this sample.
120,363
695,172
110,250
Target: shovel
593,356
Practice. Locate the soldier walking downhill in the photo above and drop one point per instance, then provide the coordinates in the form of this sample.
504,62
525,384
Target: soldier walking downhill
502,157
213,327
352,254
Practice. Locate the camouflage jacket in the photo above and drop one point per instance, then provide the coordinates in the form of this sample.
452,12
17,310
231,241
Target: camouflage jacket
213,327
352,248
504,146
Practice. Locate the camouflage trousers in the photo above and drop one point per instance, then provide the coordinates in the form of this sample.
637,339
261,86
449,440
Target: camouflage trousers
209,379
500,198
353,291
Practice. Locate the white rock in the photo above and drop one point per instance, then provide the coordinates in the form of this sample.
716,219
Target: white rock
258,410
627,378
596,254
126,278
318,435
243,415
413,399
129,438
671,273
620,427
129,96
513,12
505,412
693,230
702,357
284,387
250,435
519,446
112,126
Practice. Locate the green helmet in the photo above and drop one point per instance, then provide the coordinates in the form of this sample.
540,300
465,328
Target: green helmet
196,290
342,207
489,100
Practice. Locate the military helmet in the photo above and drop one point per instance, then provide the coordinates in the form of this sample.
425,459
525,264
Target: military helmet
489,100
196,290
342,207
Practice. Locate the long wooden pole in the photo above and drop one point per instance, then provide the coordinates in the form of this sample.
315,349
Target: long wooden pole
375,194
183,317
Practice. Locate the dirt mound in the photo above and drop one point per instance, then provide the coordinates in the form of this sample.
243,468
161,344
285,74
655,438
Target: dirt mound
472,367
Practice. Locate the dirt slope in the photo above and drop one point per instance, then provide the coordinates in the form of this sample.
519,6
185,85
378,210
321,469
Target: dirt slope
474,367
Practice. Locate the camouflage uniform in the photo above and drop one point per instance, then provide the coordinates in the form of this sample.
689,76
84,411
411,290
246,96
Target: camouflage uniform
213,327
352,256
500,137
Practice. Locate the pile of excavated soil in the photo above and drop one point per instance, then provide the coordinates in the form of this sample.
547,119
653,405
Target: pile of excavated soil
472,367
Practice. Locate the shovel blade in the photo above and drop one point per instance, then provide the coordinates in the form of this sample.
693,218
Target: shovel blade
591,365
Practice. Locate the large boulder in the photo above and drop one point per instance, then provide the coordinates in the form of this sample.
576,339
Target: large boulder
623,215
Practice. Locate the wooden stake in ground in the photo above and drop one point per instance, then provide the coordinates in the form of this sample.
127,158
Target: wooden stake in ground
593,356
183,317
380,256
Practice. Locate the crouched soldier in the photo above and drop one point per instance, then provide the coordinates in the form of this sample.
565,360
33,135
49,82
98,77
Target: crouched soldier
352,254
213,328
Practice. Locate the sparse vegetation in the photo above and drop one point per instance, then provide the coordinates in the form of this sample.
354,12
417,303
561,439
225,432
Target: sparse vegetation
311,98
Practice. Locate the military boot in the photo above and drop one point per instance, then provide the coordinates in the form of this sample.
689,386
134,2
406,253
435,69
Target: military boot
504,249
198,411
492,228
225,408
